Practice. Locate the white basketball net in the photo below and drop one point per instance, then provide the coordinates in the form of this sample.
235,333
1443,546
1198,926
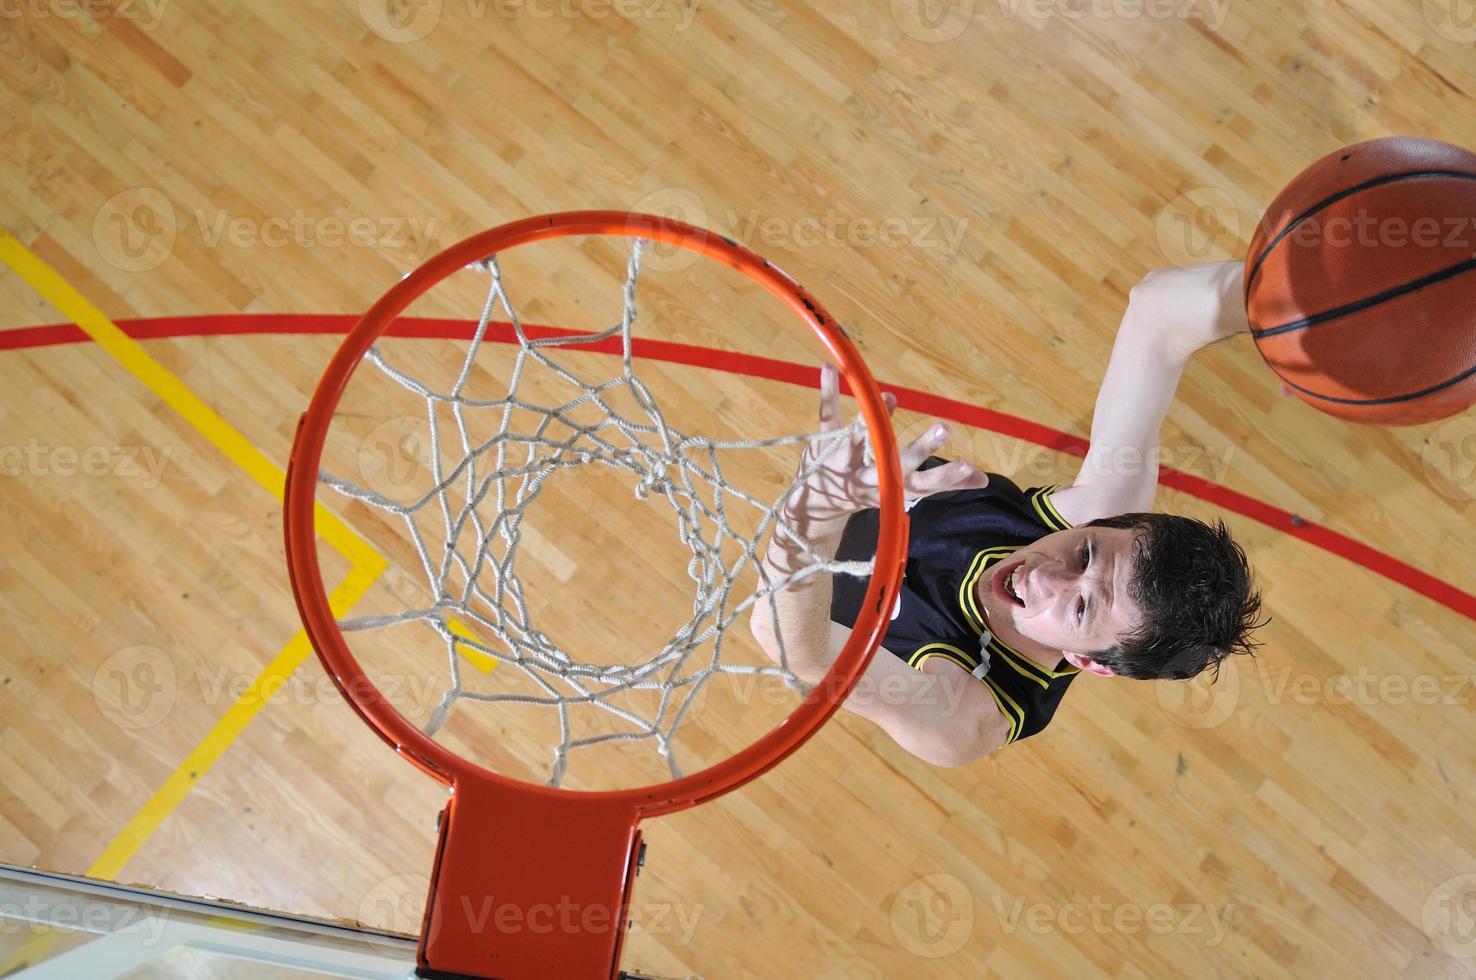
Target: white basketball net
481,501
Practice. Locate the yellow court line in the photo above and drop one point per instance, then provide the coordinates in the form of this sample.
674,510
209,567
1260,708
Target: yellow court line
173,392
366,563
167,797
271,680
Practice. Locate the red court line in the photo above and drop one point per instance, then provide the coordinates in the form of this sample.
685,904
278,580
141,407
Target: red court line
787,372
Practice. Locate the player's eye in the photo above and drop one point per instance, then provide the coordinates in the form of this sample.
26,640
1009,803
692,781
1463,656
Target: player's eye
1081,606
1086,555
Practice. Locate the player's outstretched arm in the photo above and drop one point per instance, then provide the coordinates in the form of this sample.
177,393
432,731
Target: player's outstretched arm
1170,314
940,714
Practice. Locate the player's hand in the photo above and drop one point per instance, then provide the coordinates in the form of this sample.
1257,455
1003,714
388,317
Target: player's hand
1193,306
842,482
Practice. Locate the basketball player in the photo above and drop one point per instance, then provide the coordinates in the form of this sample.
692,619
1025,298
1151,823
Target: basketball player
1009,594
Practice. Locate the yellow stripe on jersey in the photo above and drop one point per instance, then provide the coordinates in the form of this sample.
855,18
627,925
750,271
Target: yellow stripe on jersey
967,603
1040,500
1007,707
1026,667
948,652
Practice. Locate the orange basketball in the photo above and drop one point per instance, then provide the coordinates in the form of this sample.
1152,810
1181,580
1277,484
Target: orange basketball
1360,282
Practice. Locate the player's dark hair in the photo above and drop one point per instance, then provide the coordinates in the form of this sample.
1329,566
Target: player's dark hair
1193,583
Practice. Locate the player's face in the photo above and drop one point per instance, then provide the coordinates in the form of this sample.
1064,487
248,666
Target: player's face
1068,591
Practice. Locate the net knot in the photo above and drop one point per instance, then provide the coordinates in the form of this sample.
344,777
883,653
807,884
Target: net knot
655,479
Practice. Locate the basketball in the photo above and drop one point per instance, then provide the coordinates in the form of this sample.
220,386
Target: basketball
1360,282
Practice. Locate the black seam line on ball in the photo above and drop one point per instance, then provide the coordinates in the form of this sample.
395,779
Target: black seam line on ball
1391,399
1327,201
1466,265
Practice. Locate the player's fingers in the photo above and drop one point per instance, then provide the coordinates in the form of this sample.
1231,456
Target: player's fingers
890,400
918,451
829,397
957,475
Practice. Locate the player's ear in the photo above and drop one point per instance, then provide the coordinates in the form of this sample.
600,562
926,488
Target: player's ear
1084,661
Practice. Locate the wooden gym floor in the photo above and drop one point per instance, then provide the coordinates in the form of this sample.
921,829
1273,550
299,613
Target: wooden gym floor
972,188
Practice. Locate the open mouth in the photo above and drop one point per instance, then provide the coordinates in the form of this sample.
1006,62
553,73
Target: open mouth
1003,584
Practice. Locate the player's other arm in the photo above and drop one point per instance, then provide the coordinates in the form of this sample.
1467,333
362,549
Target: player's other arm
1170,314
941,714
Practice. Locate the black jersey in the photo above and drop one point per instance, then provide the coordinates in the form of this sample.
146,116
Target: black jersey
954,539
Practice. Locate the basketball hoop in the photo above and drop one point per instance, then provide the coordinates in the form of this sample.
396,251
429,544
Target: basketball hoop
571,847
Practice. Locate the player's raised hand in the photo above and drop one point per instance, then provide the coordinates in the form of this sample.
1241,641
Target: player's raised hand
841,481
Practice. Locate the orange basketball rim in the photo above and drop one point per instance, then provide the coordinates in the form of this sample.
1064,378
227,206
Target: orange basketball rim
558,848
